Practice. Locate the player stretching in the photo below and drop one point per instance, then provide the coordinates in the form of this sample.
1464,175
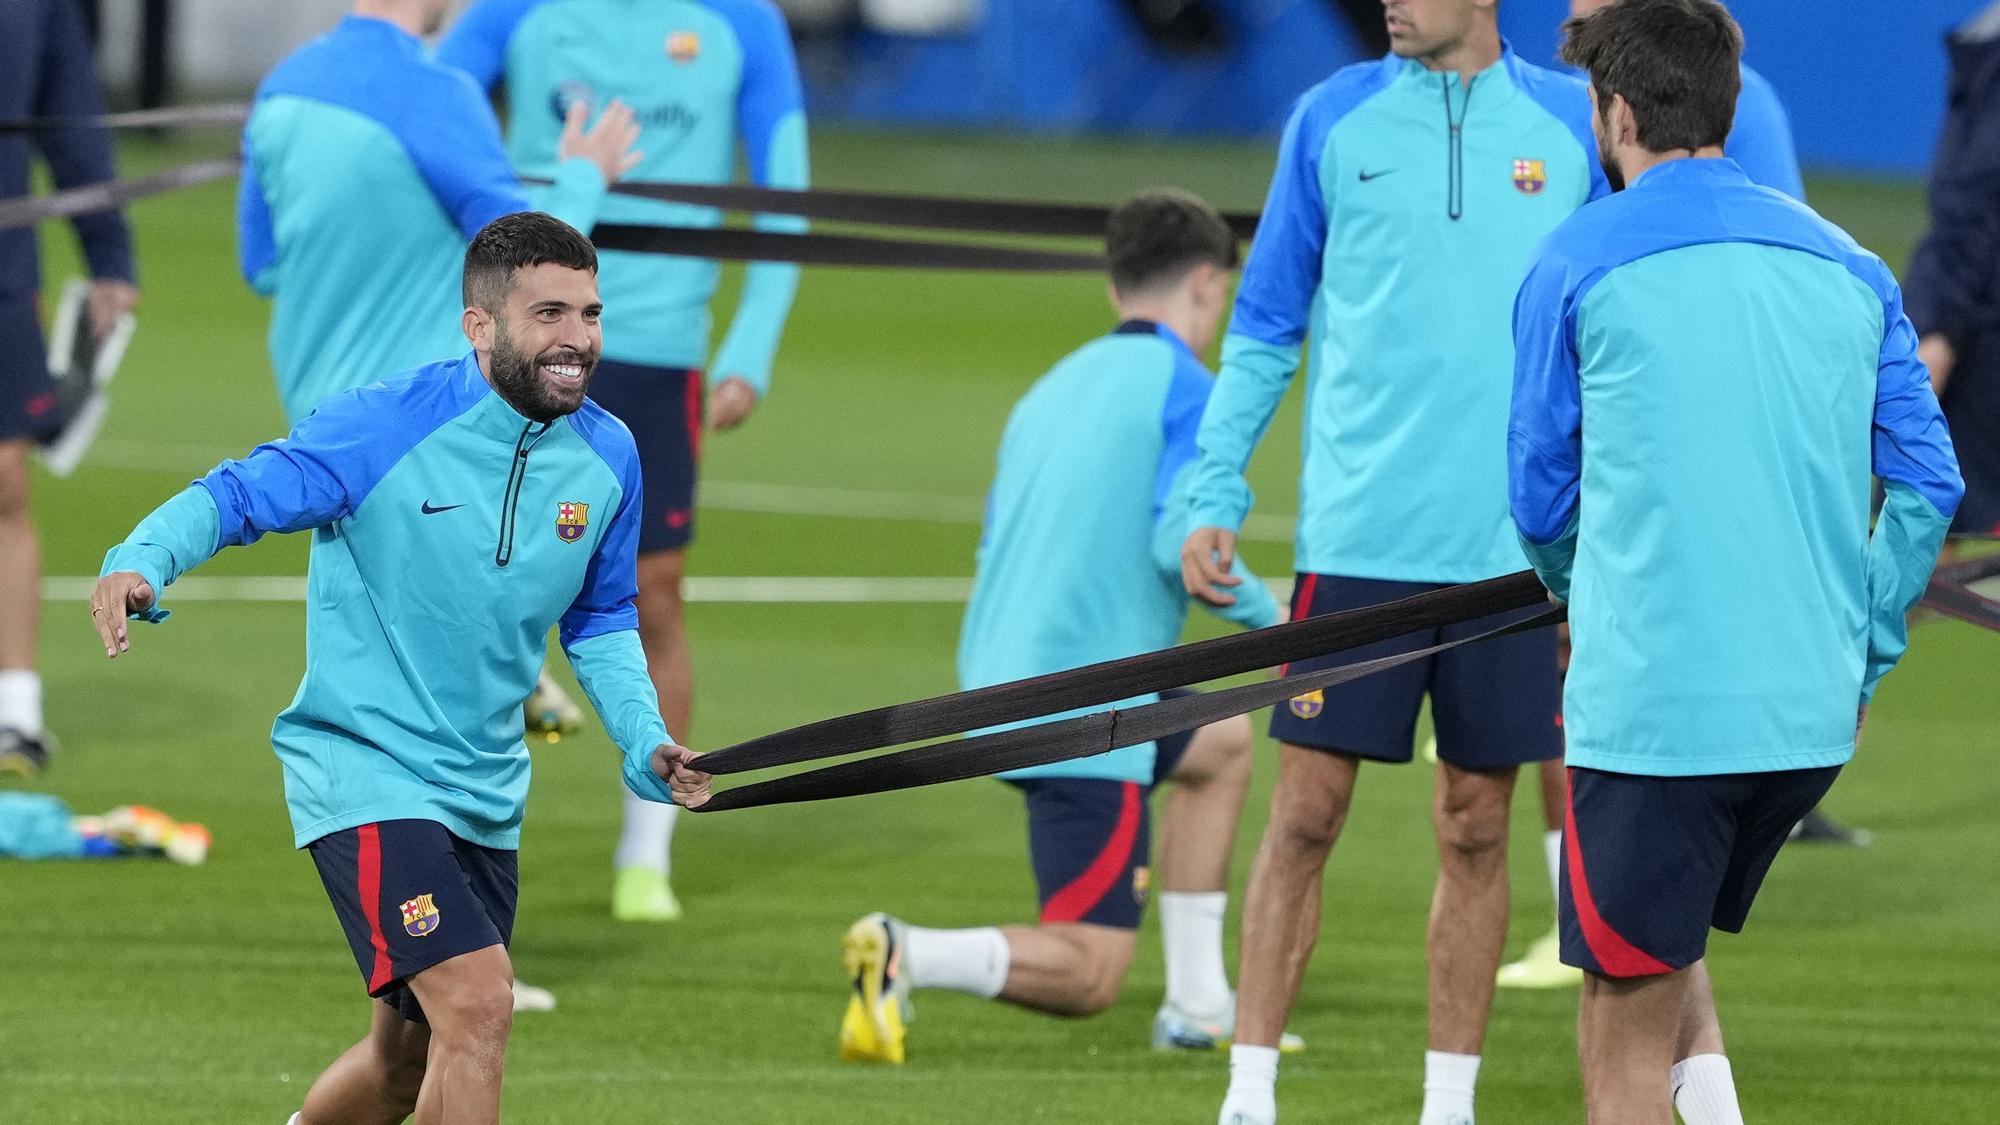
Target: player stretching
1700,498
1408,194
461,510
700,74
1078,564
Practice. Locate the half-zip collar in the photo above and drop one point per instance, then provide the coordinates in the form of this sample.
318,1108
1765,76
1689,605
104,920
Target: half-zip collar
1494,87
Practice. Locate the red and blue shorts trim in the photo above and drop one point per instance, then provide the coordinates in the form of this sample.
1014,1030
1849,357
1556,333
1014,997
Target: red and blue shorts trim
663,407
409,895
1650,864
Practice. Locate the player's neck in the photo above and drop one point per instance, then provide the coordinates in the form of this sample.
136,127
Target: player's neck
1469,56
401,13
1637,162
1175,316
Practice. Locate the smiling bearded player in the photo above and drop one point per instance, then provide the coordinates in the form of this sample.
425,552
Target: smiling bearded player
459,512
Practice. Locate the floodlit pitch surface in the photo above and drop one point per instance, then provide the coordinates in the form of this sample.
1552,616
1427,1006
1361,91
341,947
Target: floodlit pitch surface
1866,989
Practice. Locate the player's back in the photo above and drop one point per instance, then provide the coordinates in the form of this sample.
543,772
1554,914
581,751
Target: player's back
1728,342
1068,570
362,260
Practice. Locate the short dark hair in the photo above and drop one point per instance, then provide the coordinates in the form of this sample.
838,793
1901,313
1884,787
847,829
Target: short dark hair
1678,63
1155,237
519,241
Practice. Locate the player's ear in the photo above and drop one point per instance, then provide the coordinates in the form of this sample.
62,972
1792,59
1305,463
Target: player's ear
478,327
1624,126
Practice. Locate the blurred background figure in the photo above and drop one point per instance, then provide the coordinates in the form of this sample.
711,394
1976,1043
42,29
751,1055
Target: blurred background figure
45,71
1950,289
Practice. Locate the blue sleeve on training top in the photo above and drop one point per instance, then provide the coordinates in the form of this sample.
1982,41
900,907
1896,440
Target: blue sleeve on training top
1545,422
256,243
607,602
1761,140
1180,419
477,43
331,461
1567,98
1180,422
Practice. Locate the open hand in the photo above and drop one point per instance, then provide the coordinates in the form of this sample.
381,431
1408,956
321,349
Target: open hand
1205,561
730,403
608,144
117,594
689,786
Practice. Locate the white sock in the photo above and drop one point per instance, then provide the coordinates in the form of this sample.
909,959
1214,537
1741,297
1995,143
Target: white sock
1448,1082
1705,1091
1191,933
648,834
972,961
1253,1071
21,700
1552,846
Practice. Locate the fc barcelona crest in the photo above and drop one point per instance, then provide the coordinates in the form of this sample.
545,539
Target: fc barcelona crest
1530,176
420,916
571,520
1309,705
683,47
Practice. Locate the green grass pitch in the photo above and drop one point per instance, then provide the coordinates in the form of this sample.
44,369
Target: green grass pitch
1866,990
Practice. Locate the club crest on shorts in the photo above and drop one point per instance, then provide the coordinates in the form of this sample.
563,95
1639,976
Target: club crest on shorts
571,520
420,916
1309,705
1530,176
1142,880
683,47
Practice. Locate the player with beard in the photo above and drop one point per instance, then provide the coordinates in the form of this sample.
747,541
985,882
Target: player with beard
461,511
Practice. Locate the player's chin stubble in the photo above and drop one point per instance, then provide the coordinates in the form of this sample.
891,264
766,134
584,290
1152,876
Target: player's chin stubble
518,378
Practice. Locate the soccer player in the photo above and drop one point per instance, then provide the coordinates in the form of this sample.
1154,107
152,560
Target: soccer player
1760,141
1408,193
1079,563
45,70
459,511
701,75
1707,376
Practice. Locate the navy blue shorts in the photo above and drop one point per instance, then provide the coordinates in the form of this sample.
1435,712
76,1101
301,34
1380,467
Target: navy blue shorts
662,406
27,395
410,894
1091,840
1495,705
1651,863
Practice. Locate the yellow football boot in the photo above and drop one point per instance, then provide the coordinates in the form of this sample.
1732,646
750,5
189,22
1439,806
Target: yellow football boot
873,1027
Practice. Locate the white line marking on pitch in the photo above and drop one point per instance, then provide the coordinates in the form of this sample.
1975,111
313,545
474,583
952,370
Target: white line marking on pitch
719,495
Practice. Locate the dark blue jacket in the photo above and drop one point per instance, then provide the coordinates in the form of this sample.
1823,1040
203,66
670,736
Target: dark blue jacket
1954,277
45,70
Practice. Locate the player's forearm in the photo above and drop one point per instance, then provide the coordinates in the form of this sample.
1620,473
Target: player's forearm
612,669
178,536
1901,556
1255,607
751,346
1254,377
576,195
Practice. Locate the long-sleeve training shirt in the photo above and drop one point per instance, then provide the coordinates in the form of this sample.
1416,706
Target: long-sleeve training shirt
1760,141
1707,375
1080,557
1397,229
449,534
367,168
45,71
699,75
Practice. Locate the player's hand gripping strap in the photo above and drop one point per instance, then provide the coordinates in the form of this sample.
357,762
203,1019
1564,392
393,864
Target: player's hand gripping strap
1100,684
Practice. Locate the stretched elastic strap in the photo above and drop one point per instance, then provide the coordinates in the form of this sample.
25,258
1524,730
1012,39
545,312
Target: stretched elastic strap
1067,739
834,249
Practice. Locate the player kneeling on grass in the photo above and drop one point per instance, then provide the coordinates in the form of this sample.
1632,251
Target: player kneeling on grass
1079,563
460,511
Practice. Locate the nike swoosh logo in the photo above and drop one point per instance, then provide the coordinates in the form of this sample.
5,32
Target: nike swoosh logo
430,511
1366,176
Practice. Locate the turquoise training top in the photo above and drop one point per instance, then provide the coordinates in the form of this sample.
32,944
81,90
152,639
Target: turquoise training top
1397,228
1707,375
699,75
366,169
449,534
1079,560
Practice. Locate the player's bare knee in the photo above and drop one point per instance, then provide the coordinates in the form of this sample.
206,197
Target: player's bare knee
13,481
477,1018
1306,828
1475,832
1098,984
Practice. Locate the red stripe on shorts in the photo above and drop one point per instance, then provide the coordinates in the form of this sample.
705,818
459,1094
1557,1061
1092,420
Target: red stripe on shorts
1302,607
368,862
1075,901
1616,956
694,388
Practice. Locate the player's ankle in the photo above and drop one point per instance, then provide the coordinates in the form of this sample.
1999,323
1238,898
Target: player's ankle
1449,1079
